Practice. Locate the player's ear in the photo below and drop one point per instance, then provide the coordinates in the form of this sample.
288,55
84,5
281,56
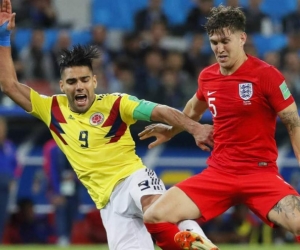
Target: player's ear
243,39
95,81
61,86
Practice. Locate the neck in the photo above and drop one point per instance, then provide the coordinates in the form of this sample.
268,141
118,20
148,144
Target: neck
230,70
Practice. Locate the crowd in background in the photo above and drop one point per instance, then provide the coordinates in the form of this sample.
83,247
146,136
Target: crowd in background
156,61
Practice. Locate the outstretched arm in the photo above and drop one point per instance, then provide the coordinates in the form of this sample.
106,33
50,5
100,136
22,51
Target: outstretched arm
19,93
290,118
188,120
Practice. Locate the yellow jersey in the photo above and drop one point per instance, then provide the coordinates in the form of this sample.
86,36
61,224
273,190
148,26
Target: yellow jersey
98,143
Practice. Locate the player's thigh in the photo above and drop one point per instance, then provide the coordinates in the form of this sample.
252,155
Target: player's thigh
173,206
145,183
286,213
125,233
263,191
207,194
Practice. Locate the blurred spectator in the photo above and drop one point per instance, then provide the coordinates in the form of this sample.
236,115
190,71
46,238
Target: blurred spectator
63,42
131,48
36,13
175,61
291,22
154,38
90,230
26,227
291,71
37,62
272,58
170,92
233,3
8,165
16,58
249,47
123,80
146,17
197,16
103,65
149,77
293,45
196,58
95,229
102,75
99,39
63,191
257,21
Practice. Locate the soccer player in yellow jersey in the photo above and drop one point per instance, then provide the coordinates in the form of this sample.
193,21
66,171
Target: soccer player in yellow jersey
93,132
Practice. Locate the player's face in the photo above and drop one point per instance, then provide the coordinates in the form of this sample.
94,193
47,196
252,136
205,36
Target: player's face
228,48
78,83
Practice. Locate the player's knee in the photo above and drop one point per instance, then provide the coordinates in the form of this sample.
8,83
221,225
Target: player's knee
295,228
152,215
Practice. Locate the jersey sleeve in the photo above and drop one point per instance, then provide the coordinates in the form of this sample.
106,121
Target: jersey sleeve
41,106
199,93
275,89
133,109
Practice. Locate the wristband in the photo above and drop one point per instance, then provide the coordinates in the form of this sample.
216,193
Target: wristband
4,35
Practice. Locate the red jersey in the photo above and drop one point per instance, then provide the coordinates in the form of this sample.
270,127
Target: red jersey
244,107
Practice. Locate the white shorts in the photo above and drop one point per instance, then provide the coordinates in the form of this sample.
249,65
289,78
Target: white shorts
123,217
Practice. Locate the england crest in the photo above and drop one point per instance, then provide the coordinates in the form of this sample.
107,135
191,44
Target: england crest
245,90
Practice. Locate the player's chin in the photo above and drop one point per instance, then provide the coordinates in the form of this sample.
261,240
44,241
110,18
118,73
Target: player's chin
80,108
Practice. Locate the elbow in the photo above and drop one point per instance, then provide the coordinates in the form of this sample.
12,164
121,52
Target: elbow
159,113
8,87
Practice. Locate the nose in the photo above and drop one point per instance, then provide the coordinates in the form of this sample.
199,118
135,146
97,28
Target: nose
220,48
79,85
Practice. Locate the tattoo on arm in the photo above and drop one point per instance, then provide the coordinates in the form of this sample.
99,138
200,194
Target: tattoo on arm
291,120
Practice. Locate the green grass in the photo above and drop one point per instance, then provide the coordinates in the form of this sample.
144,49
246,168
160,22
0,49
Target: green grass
104,247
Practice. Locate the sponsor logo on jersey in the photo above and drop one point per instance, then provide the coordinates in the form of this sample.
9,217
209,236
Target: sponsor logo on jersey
96,119
246,90
262,164
285,90
210,93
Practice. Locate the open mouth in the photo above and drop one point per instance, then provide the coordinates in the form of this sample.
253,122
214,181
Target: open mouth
222,58
81,99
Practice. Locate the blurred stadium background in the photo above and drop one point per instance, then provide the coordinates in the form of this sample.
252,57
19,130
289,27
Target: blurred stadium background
153,56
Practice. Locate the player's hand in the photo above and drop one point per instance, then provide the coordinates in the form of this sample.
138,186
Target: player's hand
162,133
204,136
6,14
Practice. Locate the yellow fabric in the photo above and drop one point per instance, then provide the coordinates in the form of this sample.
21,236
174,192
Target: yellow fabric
100,150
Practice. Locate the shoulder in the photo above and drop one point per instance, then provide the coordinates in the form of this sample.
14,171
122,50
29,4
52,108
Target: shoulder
110,96
209,71
258,64
60,98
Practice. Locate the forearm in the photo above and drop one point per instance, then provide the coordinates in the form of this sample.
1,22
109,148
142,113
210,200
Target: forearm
295,141
191,111
7,70
291,120
178,120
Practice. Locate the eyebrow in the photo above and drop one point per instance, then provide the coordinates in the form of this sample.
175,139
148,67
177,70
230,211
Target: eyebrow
75,79
222,39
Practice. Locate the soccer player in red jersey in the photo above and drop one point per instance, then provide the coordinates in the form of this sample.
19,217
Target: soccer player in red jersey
93,131
244,95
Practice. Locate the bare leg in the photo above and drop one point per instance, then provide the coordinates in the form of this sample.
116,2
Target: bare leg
286,213
173,206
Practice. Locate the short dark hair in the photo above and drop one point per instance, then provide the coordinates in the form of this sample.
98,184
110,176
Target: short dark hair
79,55
221,17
